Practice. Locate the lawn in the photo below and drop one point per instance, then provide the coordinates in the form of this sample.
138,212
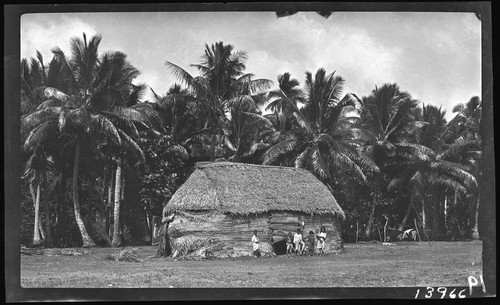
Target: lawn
360,265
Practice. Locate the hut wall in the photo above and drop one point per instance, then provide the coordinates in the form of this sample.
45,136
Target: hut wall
235,232
281,223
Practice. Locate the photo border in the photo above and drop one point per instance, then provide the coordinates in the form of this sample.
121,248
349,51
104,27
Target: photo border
12,162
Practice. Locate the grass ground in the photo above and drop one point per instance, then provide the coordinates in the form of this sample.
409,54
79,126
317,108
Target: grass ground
360,265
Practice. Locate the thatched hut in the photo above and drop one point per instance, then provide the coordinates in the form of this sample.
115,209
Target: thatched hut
223,202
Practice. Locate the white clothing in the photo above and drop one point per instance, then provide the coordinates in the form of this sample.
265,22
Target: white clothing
321,240
255,241
297,238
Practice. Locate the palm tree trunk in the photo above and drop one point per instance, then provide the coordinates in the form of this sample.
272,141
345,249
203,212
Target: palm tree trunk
369,226
407,214
424,221
48,235
36,226
87,240
435,214
475,227
214,139
116,242
61,219
445,212
111,189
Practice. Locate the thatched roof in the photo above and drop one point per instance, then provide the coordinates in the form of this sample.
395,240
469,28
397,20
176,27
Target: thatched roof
243,189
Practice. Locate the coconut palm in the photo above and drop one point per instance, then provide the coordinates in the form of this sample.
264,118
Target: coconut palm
462,144
425,173
326,141
282,113
246,130
389,114
93,97
221,80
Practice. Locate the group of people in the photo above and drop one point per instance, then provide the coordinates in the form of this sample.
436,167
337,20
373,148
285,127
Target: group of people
314,242
296,243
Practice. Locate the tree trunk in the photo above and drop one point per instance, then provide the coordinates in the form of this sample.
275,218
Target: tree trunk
110,204
164,248
48,226
61,219
445,212
435,214
424,221
116,214
407,214
475,231
214,140
87,240
36,202
369,226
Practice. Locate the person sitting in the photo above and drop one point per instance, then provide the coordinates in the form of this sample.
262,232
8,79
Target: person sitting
299,243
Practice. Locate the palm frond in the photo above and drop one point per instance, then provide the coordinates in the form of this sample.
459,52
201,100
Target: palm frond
418,149
179,151
181,74
67,70
278,150
126,113
32,120
100,126
39,135
357,134
131,148
457,171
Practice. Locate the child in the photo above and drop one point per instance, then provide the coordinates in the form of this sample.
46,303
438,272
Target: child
310,243
289,243
321,240
317,239
297,240
255,241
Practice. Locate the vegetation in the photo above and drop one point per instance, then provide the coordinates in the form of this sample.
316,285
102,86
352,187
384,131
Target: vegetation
100,161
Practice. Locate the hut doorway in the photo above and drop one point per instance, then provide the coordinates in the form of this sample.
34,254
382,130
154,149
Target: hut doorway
279,247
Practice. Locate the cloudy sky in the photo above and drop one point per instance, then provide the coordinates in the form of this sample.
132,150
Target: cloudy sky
434,56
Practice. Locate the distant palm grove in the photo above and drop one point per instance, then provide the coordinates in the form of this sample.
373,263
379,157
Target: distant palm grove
99,161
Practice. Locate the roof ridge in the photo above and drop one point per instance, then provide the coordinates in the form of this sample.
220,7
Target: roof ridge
208,164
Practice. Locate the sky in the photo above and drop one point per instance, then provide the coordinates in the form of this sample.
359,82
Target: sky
436,57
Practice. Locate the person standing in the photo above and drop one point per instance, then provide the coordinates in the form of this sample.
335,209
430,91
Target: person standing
321,240
310,243
297,240
289,243
255,243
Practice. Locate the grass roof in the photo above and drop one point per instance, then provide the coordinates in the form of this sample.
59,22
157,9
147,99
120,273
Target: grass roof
238,188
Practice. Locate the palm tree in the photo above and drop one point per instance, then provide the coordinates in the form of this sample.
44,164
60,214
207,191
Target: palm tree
326,142
221,79
462,144
93,96
246,130
35,167
425,173
282,113
389,114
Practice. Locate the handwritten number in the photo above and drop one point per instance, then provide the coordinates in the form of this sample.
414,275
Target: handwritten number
442,290
430,290
452,294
